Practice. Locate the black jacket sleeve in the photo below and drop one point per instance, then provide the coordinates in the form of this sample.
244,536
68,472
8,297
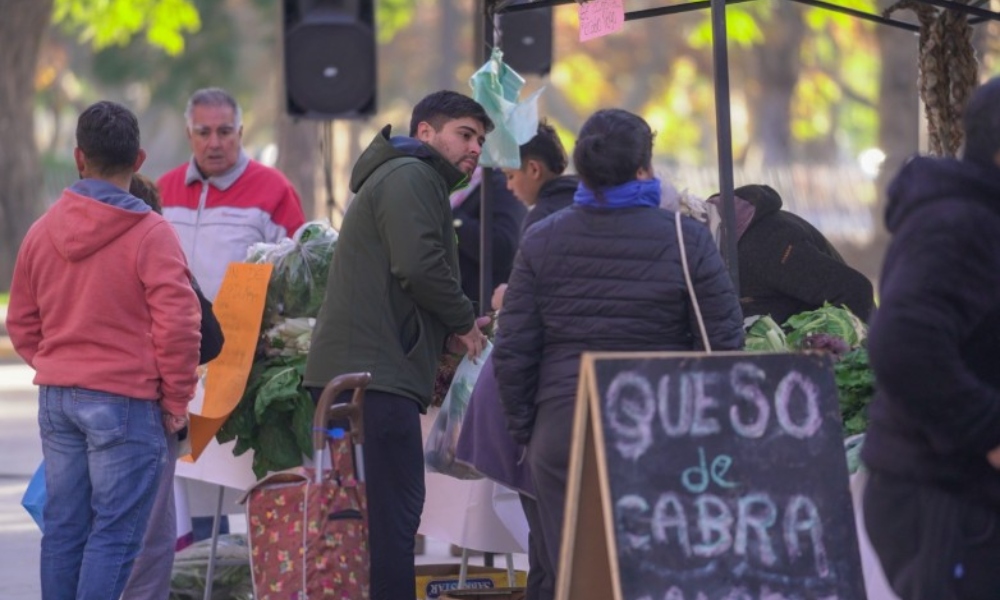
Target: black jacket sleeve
508,215
519,344
211,332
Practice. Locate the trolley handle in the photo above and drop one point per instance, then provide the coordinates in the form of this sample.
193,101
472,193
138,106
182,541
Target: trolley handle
353,410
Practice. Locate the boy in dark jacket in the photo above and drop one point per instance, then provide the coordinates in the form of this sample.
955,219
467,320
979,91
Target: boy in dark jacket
540,183
932,504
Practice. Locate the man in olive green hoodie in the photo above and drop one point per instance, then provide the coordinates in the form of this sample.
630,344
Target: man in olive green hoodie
393,304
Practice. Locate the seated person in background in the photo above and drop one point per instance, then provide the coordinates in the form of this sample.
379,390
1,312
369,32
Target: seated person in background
786,265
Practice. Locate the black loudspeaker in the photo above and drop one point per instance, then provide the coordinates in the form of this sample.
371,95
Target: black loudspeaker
527,40
330,58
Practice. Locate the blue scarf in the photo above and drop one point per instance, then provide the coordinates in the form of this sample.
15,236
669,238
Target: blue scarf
639,192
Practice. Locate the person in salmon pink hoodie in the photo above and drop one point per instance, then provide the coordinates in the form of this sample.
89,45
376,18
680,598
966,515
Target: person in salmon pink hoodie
101,307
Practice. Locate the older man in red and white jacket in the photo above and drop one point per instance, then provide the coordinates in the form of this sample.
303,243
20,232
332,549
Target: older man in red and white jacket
222,202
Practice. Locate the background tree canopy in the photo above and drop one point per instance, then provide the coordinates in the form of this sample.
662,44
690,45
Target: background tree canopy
812,91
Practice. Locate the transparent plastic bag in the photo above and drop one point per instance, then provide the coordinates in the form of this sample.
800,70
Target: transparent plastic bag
301,265
496,87
231,579
442,441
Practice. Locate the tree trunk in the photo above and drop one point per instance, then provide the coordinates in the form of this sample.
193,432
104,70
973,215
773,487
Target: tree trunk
22,28
449,54
298,154
777,67
899,122
899,135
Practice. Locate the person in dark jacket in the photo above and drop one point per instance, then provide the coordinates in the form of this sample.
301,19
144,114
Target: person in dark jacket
932,503
786,265
508,214
539,183
602,275
153,568
485,443
393,304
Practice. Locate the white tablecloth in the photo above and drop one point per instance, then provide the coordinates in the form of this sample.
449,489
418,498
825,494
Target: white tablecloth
876,587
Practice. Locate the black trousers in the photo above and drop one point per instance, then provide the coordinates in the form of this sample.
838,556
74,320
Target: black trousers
541,573
933,545
548,458
394,481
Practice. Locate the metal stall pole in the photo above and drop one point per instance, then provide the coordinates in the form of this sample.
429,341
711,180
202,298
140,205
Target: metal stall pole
724,138
487,40
210,572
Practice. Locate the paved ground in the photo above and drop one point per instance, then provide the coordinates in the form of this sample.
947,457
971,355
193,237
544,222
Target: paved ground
21,451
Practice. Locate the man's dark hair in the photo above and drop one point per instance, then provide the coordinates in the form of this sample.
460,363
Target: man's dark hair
981,121
145,189
440,107
547,148
108,135
612,146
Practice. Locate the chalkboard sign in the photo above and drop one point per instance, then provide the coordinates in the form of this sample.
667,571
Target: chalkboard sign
708,477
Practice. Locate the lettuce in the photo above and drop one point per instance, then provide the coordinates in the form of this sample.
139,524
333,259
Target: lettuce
828,319
829,329
764,335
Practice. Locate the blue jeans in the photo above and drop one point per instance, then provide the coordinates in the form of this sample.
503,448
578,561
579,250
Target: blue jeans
103,458
153,567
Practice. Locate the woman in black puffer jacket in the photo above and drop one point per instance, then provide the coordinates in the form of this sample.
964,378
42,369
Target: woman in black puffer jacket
602,275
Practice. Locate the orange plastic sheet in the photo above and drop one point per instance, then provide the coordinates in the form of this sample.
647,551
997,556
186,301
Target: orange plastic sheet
239,307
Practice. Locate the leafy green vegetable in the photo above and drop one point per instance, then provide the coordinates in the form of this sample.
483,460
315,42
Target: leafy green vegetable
301,265
828,319
279,391
834,330
278,447
275,415
855,386
764,335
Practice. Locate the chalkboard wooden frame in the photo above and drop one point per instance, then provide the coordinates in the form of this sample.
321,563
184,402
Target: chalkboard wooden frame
589,565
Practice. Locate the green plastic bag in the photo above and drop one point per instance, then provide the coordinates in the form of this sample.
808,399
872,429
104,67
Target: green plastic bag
496,87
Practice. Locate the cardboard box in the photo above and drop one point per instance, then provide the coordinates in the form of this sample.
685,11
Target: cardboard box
494,594
434,581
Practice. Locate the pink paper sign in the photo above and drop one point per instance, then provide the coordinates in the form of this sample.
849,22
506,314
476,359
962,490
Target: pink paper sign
600,17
